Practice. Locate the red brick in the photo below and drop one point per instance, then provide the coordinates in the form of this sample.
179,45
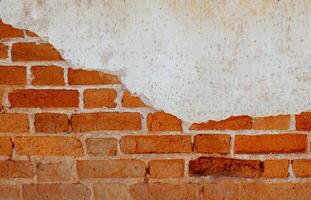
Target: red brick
16,169
280,122
275,143
157,191
131,101
44,98
14,123
166,168
156,144
161,121
12,75
212,143
219,166
7,31
6,146
84,122
3,51
275,168
47,75
110,168
31,34
303,121
302,168
59,171
51,122
86,77
101,146
10,192
232,123
56,192
31,51
48,146
98,98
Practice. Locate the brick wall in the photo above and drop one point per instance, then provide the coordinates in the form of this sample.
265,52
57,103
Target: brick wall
68,133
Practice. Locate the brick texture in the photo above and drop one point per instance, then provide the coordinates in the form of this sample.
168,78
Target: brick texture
166,168
275,168
58,171
14,123
113,191
3,51
7,31
280,122
302,168
98,98
86,77
303,121
16,169
161,121
212,143
6,146
10,192
101,146
276,143
51,122
12,75
47,75
131,101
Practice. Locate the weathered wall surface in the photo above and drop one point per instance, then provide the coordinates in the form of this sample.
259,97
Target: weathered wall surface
196,59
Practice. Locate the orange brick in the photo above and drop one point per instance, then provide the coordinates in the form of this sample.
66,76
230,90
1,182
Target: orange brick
51,122
302,168
218,166
6,146
48,146
110,168
156,144
303,121
101,146
7,31
60,171
12,75
232,123
276,143
98,98
14,123
212,143
31,34
47,75
166,168
115,191
275,168
10,192
3,51
56,192
31,51
86,77
167,191
280,122
48,98
131,101
161,121
84,122
16,169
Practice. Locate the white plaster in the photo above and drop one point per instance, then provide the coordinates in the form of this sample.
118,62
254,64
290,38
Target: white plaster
196,59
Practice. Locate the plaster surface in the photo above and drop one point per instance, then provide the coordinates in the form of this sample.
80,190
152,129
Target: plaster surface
197,59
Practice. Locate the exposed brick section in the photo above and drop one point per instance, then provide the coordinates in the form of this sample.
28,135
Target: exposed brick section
302,168
161,121
155,191
232,123
48,146
56,192
98,98
303,121
218,166
51,122
7,31
86,77
44,98
12,75
212,143
275,168
276,143
156,144
6,146
105,121
3,51
101,146
131,101
10,192
280,122
16,169
31,34
47,75
34,52
110,168
166,168
59,171
111,191
14,123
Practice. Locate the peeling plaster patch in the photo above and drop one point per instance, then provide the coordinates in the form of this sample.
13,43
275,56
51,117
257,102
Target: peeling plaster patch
196,59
